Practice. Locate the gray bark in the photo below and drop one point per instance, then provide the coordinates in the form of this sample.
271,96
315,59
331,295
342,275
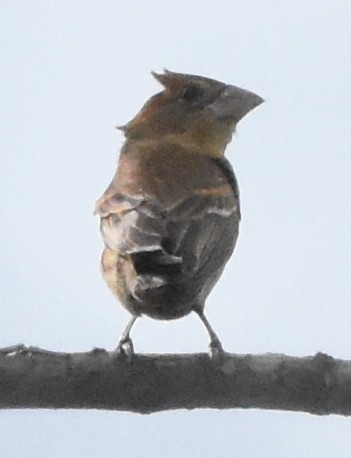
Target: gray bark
34,378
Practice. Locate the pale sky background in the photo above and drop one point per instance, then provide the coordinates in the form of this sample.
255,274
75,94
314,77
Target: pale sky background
70,71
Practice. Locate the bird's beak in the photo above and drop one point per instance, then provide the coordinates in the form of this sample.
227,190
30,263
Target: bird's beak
235,102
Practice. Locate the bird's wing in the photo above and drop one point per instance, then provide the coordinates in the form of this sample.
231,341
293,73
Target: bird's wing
202,224
204,227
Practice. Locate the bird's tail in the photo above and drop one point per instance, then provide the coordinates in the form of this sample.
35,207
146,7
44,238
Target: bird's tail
153,269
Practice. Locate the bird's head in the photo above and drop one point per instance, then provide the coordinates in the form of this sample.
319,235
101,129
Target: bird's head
197,112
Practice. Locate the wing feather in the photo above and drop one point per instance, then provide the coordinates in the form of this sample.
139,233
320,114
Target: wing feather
186,235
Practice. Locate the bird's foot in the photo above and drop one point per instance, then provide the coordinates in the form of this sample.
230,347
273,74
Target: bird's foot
215,349
125,349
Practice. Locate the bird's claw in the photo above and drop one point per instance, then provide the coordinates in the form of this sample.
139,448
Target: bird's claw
215,349
125,349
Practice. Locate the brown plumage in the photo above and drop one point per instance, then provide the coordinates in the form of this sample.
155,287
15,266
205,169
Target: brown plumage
170,217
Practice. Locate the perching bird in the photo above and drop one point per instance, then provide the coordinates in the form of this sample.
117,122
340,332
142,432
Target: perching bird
170,217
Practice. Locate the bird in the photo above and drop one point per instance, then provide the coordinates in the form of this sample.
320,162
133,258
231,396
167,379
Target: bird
170,217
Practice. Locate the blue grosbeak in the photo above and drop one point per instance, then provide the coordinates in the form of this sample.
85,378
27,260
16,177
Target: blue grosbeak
170,217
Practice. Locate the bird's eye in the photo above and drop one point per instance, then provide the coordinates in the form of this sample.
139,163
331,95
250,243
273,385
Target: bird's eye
190,93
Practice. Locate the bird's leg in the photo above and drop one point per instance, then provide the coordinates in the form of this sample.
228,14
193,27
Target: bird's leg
216,348
125,344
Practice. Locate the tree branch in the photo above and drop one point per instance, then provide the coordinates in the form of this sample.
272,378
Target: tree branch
34,378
